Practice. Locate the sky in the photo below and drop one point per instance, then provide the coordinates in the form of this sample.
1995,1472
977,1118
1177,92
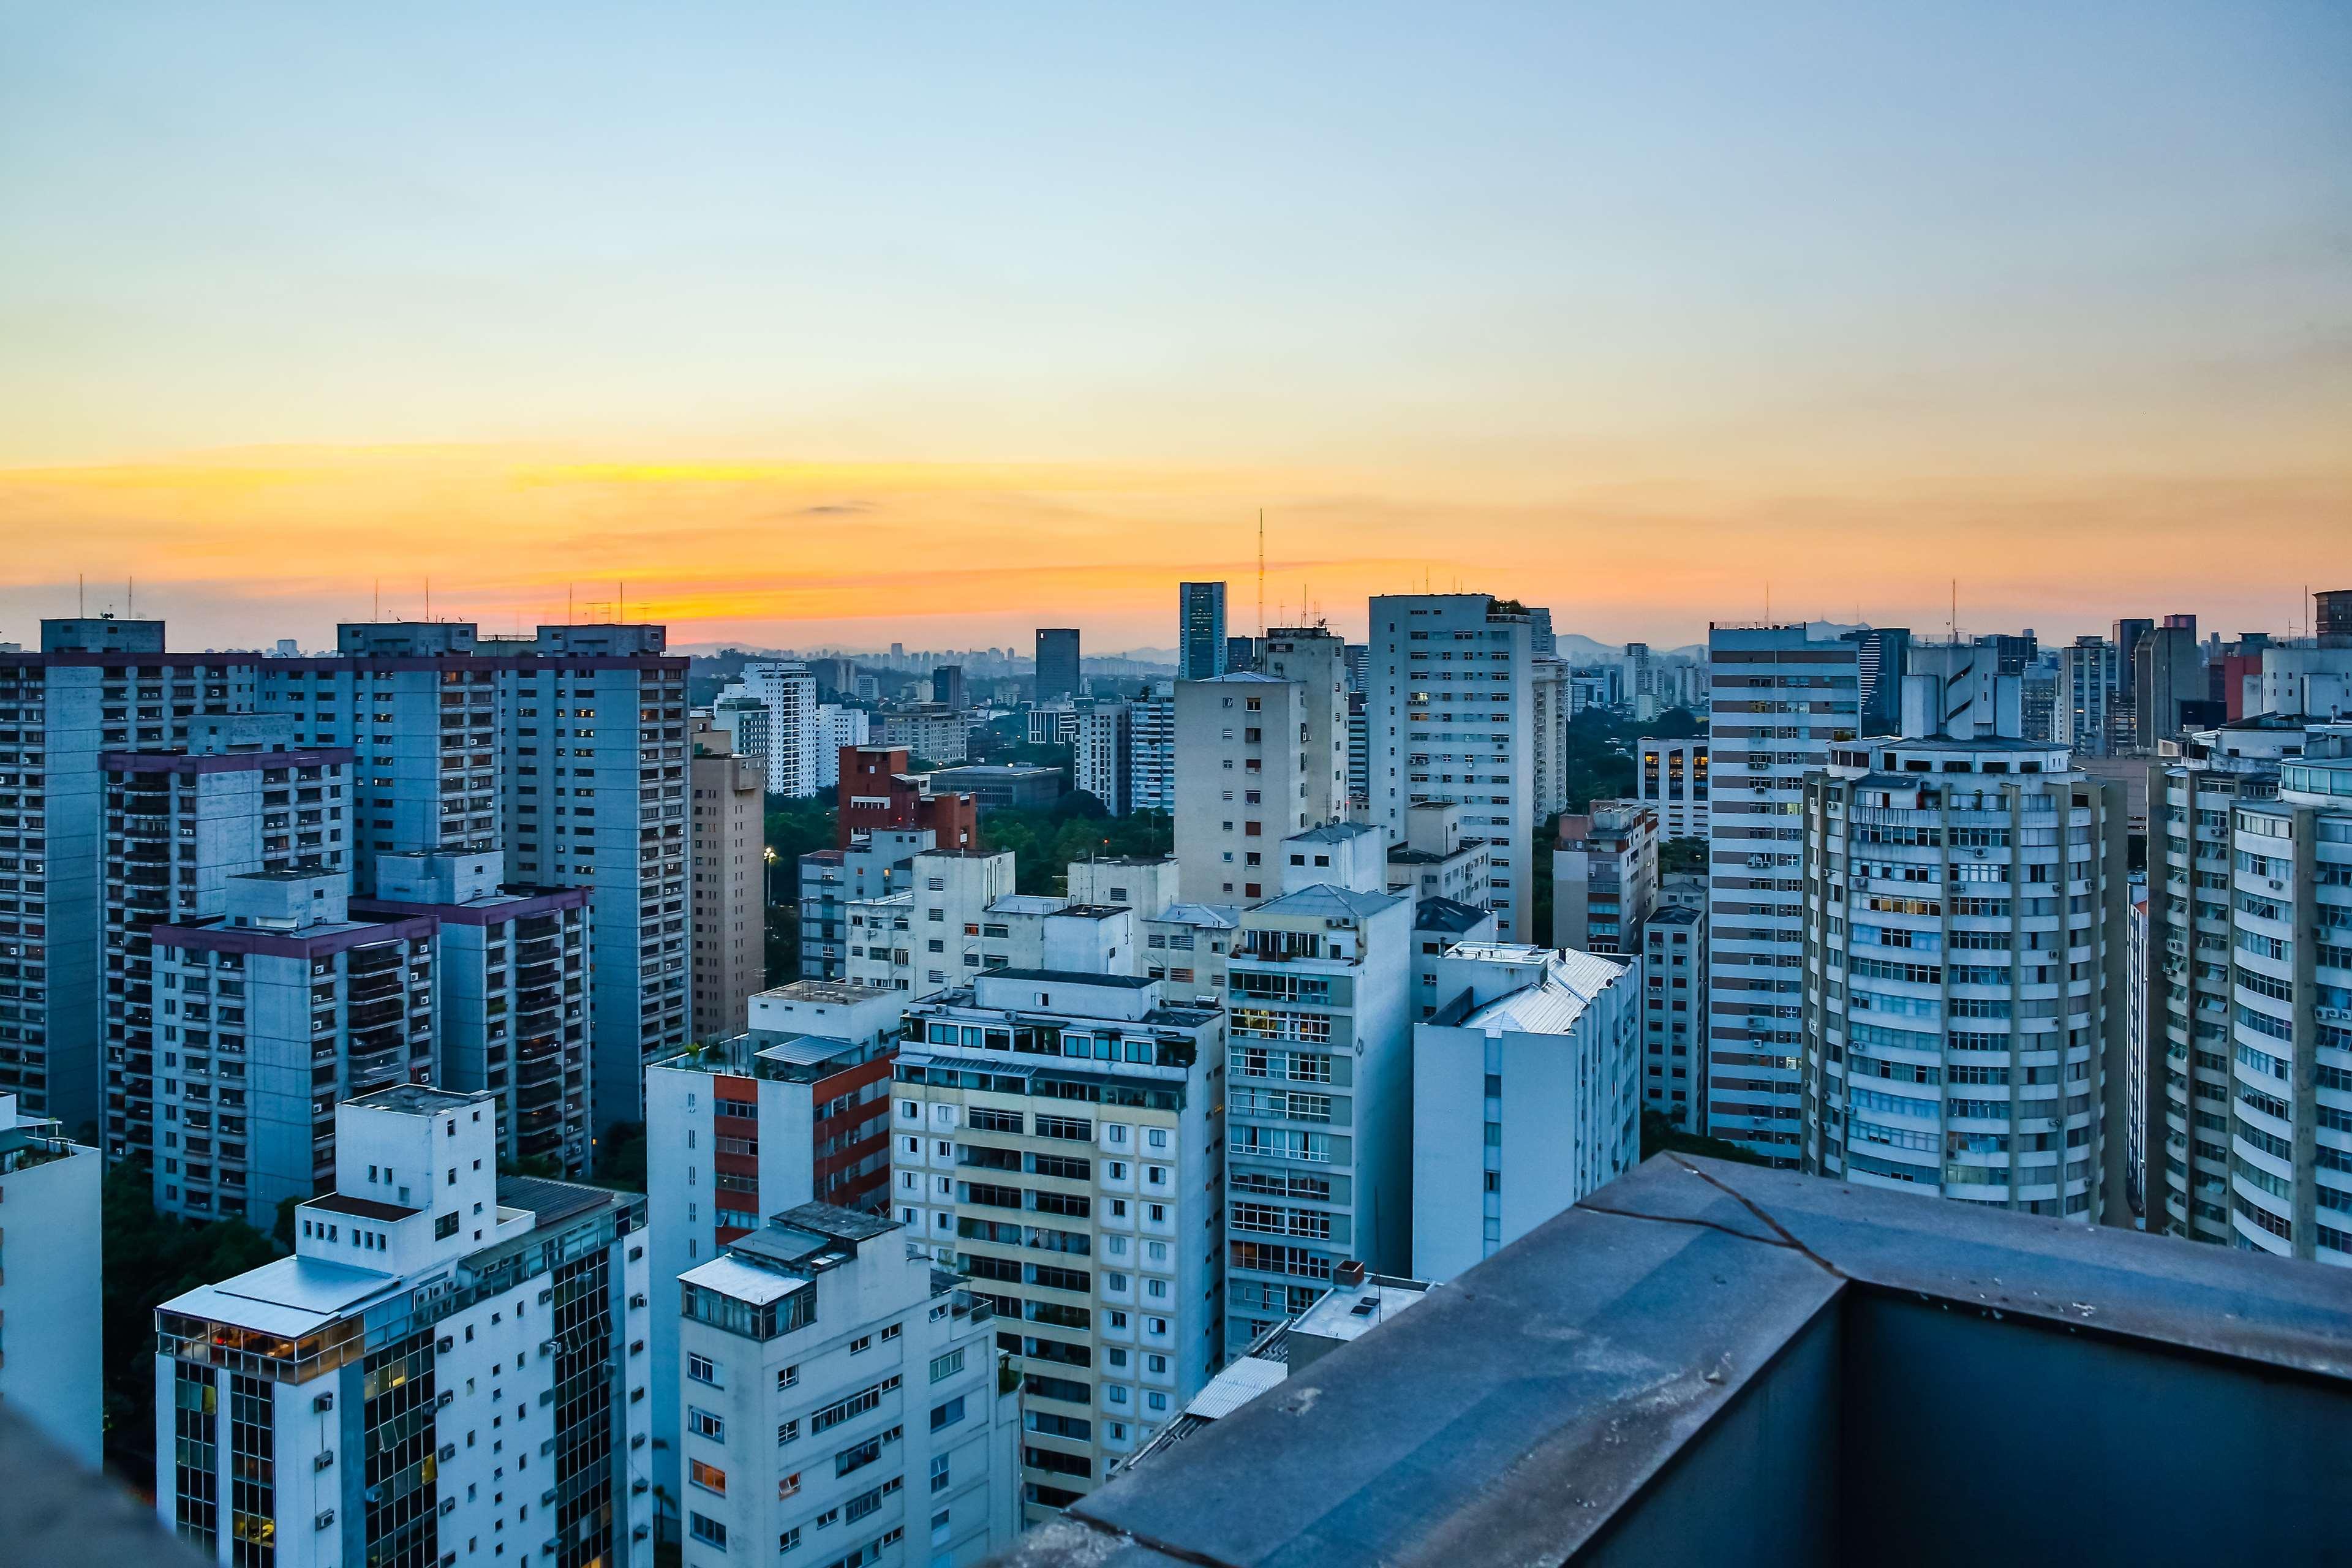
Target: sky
803,325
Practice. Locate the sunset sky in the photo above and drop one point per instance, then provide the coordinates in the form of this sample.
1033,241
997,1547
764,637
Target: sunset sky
841,324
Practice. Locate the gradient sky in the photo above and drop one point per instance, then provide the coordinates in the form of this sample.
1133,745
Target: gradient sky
854,323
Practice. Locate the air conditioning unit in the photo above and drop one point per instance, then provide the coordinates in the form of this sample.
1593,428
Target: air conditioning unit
445,1344
449,1452
323,1404
637,1441
325,1520
547,1496
448,1397
546,1296
637,1487
639,1533
638,1299
549,1347
325,1461
448,1505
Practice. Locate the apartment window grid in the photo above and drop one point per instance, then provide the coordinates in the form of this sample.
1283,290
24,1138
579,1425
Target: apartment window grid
396,1450
252,1472
196,1456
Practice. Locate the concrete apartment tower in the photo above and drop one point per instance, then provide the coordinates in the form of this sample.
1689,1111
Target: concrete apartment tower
796,739
1200,631
726,887
1780,699
1252,767
1448,718
1059,1136
1965,1018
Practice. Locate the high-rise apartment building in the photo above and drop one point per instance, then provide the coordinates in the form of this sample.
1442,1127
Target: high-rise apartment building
98,684
450,1362
1604,872
1059,1136
1317,661
943,939
1670,777
576,737
1673,1003
2248,1092
795,732
1318,1107
1252,768
2082,717
1057,663
2167,671
840,1402
1102,750
947,685
1526,1095
794,1109
1200,631
1151,751
1448,720
1966,964
832,879
52,1365
727,890
1779,700
838,729
2124,703
745,722
1550,704
510,992
1881,656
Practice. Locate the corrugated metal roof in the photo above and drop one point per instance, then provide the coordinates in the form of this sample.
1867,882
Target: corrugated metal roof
1235,1387
1553,1004
733,1278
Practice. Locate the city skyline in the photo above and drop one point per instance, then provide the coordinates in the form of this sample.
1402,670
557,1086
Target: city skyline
1040,311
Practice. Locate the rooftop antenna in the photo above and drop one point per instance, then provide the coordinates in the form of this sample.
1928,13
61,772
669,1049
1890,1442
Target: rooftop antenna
378,614
1955,626
567,604
82,595
622,614
429,598
1261,571
131,598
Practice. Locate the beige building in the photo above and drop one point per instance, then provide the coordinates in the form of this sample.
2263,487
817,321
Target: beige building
1252,767
730,888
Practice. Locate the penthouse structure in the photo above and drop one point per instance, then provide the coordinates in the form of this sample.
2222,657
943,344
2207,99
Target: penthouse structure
1670,777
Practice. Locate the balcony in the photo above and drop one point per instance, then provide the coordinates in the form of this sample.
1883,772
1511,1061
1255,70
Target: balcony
1707,1362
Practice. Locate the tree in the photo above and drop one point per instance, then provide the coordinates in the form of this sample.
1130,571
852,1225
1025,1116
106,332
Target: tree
620,1157
1661,1136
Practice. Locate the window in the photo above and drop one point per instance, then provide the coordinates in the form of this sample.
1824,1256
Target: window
788,1486
709,1532
702,1369
862,1343
709,1478
940,1481
787,1431
947,1415
946,1365
786,1377
703,1423
856,1457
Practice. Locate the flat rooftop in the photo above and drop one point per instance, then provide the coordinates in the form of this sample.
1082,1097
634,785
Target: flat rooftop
420,1098
832,992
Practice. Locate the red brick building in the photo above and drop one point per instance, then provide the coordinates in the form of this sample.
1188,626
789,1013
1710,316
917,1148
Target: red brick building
876,791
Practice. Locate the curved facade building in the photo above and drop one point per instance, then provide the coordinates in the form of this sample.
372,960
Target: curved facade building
1964,972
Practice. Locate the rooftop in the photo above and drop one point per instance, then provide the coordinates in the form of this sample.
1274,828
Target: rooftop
1075,977
1334,833
829,992
419,1099
1328,899
1674,915
1447,914
1713,1362
1209,917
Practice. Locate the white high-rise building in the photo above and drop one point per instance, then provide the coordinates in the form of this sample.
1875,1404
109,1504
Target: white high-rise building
1779,700
1061,1137
1449,720
1100,752
1966,971
1526,1095
838,729
1151,751
1318,1108
52,1367
450,1362
1252,769
795,734
2082,717
839,1401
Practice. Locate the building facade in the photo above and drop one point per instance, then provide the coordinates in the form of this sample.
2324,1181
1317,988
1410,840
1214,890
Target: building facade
1779,700
1605,877
1674,1001
840,1402
1448,720
1670,777
1248,775
1200,631
1526,1095
795,734
1319,1106
1057,663
1966,962
1060,1137
451,1362
728,903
